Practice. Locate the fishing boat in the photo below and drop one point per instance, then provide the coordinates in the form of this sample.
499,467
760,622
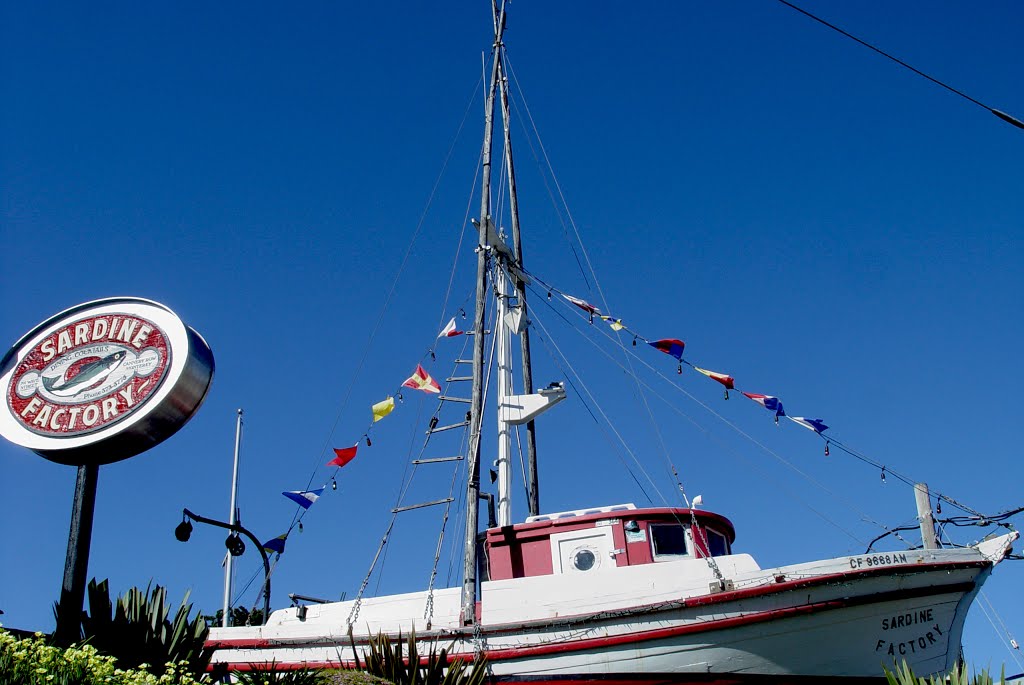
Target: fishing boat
621,593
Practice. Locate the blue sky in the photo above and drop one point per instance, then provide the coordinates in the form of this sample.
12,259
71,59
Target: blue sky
807,216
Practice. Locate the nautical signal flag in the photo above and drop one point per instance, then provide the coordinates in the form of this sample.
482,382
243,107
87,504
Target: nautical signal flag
816,425
276,544
304,498
582,304
669,346
449,330
724,379
344,456
768,402
383,408
616,324
421,380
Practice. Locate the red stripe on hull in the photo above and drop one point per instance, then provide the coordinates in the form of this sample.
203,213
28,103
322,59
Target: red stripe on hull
620,678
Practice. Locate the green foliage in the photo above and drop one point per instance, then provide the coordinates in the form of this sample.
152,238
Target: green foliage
387,661
269,676
240,616
139,629
904,675
30,661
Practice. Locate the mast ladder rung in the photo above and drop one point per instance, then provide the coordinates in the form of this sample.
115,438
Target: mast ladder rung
398,510
437,460
445,398
457,379
461,424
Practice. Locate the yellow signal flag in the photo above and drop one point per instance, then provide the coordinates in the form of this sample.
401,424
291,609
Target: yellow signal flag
383,408
616,324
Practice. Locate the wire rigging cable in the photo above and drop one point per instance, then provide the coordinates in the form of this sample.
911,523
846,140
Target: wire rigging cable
733,452
665,453
1002,115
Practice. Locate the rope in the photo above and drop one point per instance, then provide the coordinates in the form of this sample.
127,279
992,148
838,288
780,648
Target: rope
829,440
567,367
547,187
1009,642
731,451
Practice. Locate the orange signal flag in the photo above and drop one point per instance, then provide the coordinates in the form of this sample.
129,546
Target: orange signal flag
722,378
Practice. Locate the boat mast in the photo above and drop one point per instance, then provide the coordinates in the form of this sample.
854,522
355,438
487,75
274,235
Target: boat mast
532,487
476,410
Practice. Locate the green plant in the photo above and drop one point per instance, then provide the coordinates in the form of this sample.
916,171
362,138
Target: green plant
385,659
138,629
268,675
902,674
239,616
31,661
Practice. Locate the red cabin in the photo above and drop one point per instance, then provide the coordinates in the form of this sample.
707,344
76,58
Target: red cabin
588,539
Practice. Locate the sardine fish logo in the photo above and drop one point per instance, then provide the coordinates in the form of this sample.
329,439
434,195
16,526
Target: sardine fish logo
88,374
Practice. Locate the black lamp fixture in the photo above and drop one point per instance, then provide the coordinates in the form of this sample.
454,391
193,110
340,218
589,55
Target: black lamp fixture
236,547
234,544
184,530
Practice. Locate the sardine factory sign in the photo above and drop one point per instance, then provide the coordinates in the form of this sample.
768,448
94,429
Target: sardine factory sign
103,381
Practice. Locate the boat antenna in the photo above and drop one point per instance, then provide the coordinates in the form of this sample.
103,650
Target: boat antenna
476,408
233,519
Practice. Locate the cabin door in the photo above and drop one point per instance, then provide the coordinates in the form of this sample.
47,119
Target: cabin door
582,551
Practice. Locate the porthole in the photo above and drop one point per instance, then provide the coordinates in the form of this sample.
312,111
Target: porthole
584,560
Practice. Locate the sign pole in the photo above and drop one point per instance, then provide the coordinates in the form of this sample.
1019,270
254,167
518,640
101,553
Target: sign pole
76,564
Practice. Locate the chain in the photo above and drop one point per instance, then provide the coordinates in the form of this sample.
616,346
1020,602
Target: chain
478,640
354,614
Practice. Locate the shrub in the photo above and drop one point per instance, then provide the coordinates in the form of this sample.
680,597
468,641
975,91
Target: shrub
138,629
904,675
386,661
30,661
269,676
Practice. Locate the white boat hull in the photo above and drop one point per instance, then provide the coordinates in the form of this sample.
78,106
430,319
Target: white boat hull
843,617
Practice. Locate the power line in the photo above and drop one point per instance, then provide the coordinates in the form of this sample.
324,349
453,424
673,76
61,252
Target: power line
1002,115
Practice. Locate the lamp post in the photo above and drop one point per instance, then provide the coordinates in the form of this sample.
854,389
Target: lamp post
234,544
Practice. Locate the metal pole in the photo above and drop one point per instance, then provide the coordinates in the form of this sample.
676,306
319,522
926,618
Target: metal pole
233,518
924,515
532,485
76,564
504,360
238,528
473,465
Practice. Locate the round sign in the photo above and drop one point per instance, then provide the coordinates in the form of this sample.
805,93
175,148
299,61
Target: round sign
103,381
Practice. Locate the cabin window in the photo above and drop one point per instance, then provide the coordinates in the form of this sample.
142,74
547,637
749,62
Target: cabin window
668,540
584,560
718,544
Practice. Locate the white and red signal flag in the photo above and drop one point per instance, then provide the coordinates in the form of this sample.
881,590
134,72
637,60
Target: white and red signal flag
582,304
421,380
449,330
